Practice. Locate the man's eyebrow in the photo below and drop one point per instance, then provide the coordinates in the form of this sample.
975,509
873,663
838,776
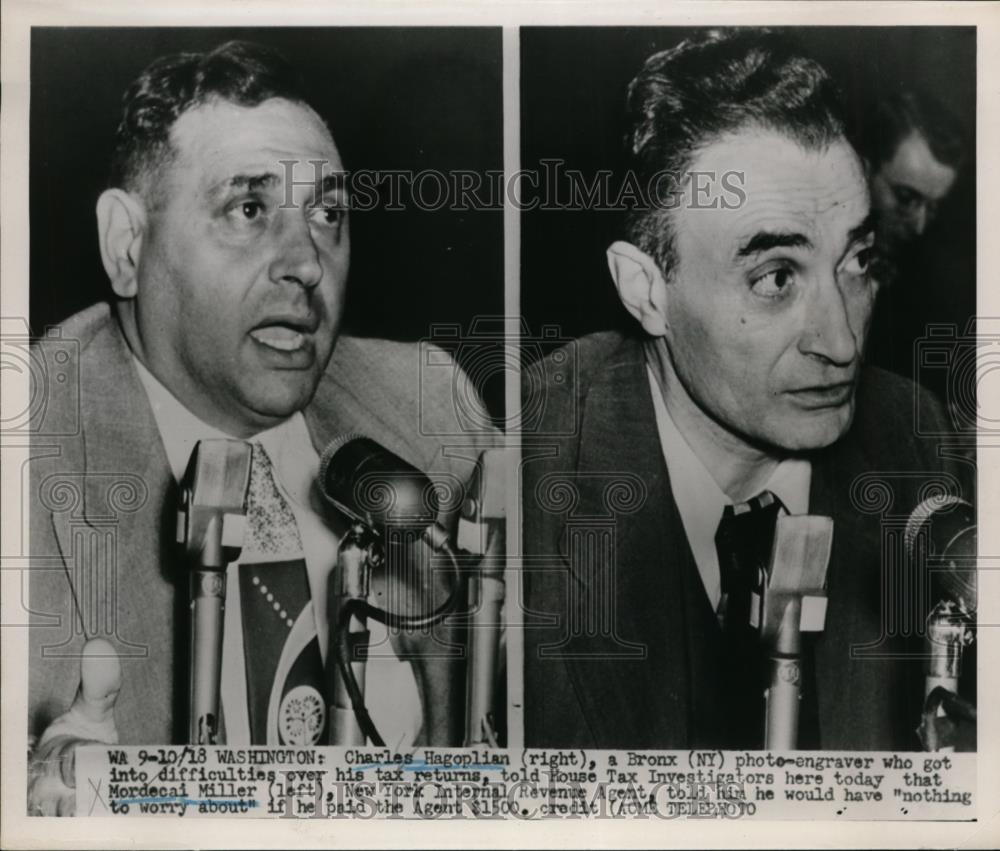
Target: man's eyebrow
251,181
333,182
765,240
858,233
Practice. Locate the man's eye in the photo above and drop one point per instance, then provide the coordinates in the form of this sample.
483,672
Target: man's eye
251,209
907,197
329,215
774,283
859,264
247,211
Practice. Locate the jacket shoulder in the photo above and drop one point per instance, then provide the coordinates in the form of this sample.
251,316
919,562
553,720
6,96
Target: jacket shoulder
62,361
891,405
85,326
900,424
554,387
584,357
414,398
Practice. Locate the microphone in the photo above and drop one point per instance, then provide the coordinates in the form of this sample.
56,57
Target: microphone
370,485
945,528
210,525
942,531
397,503
392,506
794,601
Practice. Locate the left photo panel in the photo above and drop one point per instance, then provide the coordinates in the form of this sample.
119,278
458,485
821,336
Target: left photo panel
266,416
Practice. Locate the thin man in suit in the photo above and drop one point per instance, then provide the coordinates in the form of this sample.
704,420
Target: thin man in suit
740,389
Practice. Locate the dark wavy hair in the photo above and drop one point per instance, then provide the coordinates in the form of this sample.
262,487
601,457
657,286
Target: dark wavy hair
720,81
240,72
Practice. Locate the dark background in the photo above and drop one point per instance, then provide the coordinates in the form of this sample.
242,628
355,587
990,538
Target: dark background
396,98
573,82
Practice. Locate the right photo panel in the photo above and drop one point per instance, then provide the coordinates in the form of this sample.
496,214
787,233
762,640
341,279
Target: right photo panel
749,416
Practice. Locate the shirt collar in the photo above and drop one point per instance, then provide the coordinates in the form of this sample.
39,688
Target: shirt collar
699,498
180,430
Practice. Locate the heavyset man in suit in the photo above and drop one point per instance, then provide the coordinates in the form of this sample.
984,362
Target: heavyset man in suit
742,384
225,238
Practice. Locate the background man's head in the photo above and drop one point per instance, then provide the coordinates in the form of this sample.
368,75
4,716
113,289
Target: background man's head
225,234
915,147
763,308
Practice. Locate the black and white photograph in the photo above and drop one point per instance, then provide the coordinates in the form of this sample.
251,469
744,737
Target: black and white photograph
554,423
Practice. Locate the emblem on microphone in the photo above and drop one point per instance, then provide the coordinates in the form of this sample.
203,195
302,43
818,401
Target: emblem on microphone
211,584
301,716
790,673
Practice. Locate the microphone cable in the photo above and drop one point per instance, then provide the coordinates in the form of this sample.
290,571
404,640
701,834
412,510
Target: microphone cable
363,609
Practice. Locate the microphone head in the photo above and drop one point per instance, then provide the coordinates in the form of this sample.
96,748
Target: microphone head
800,556
369,484
948,526
213,494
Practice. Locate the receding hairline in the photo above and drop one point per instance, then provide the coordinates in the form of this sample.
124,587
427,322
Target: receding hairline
168,151
756,128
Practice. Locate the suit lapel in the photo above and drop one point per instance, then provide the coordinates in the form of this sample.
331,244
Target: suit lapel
640,697
126,487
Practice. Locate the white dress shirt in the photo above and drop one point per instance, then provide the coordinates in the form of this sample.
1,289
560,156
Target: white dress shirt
391,694
700,500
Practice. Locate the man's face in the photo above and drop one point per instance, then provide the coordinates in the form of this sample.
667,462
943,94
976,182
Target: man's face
768,305
907,189
242,267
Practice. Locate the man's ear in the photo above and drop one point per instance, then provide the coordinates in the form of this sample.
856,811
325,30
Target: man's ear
121,223
641,286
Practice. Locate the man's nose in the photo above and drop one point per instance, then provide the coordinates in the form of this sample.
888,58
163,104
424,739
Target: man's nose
828,334
919,221
296,257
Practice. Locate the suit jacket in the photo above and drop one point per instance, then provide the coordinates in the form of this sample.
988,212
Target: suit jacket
103,512
622,648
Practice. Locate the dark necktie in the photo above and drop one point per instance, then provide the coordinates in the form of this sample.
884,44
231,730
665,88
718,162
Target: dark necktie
284,669
743,542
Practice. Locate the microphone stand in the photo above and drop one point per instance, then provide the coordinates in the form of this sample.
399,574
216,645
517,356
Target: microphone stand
349,636
949,632
480,527
941,538
782,697
486,597
210,525
947,635
208,605
794,601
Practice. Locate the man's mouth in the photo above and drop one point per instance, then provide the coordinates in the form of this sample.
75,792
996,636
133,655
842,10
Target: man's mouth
286,333
279,337
824,395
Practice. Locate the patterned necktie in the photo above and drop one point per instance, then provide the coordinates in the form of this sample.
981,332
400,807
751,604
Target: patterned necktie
284,669
743,542
272,530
